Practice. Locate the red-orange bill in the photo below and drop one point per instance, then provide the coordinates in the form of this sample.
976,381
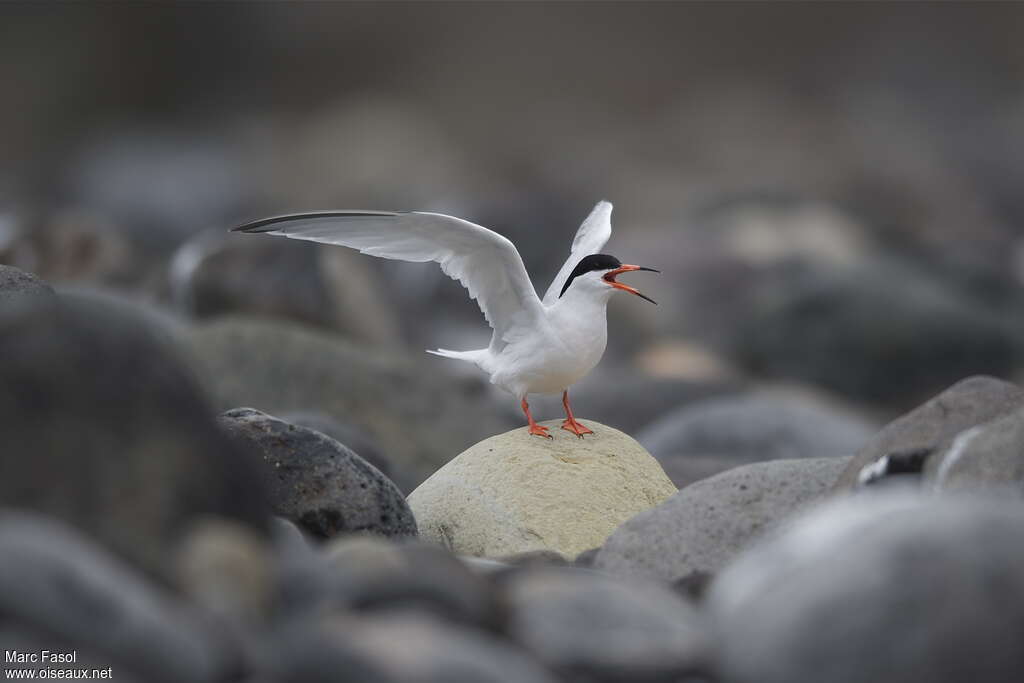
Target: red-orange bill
609,277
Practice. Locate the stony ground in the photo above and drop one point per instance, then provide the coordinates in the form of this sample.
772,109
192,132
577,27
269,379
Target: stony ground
228,502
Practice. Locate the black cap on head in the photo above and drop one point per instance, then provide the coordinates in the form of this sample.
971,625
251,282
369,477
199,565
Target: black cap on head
589,263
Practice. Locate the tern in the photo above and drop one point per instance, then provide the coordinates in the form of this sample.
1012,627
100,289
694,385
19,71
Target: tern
538,346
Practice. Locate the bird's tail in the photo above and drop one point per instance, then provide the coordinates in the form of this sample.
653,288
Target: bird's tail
477,356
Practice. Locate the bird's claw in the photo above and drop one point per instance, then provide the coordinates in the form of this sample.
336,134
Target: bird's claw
576,428
540,430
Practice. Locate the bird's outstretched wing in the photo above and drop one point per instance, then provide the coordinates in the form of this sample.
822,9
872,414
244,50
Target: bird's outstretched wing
590,239
486,263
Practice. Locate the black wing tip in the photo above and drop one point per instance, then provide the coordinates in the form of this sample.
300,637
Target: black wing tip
272,223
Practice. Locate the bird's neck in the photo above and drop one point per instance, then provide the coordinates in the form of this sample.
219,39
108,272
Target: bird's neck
582,306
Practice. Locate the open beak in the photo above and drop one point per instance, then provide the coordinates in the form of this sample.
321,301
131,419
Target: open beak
609,277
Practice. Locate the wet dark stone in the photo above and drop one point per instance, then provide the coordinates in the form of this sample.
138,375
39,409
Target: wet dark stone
317,482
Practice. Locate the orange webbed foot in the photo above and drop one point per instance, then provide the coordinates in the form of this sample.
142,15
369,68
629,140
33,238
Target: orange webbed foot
539,430
577,428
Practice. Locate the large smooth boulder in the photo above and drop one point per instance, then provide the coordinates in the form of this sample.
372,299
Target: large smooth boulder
514,492
590,627
316,482
889,588
703,527
967,403
710,436
416,414
105,427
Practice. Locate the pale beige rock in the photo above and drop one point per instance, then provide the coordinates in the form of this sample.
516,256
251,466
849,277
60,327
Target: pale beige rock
514,492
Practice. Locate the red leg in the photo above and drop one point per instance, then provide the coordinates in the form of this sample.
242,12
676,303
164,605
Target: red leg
535,428
570,424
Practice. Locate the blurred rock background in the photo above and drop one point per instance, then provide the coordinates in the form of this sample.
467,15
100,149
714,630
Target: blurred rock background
831,191
198,428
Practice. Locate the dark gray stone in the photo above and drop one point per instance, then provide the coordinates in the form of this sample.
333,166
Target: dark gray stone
885,333
355,439
218,273
15,283
716,434
418,416
315,481
703,527
984,457
413,648
967,403
57,582
105,427
229,570
586,558
535,558
304,583
888,588
312,651
589,627
164,325
369,573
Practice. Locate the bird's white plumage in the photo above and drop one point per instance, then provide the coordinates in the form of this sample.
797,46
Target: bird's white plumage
484,262
537,347
593,234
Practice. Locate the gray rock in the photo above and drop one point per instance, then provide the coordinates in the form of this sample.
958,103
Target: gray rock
217,273
513,493
105,427
704,526
315,481
716,434
370,573
484,566
55,581
304,583
167,327
417,416
967,403
308,651
586,558
901,333
416,649
355,439
589,627
888,588
227,569
536,558
80,247
15,283
986,457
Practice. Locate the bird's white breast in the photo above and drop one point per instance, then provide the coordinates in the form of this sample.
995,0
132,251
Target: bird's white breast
561,352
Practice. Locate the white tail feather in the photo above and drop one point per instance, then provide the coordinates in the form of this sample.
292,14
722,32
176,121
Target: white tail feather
478,357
